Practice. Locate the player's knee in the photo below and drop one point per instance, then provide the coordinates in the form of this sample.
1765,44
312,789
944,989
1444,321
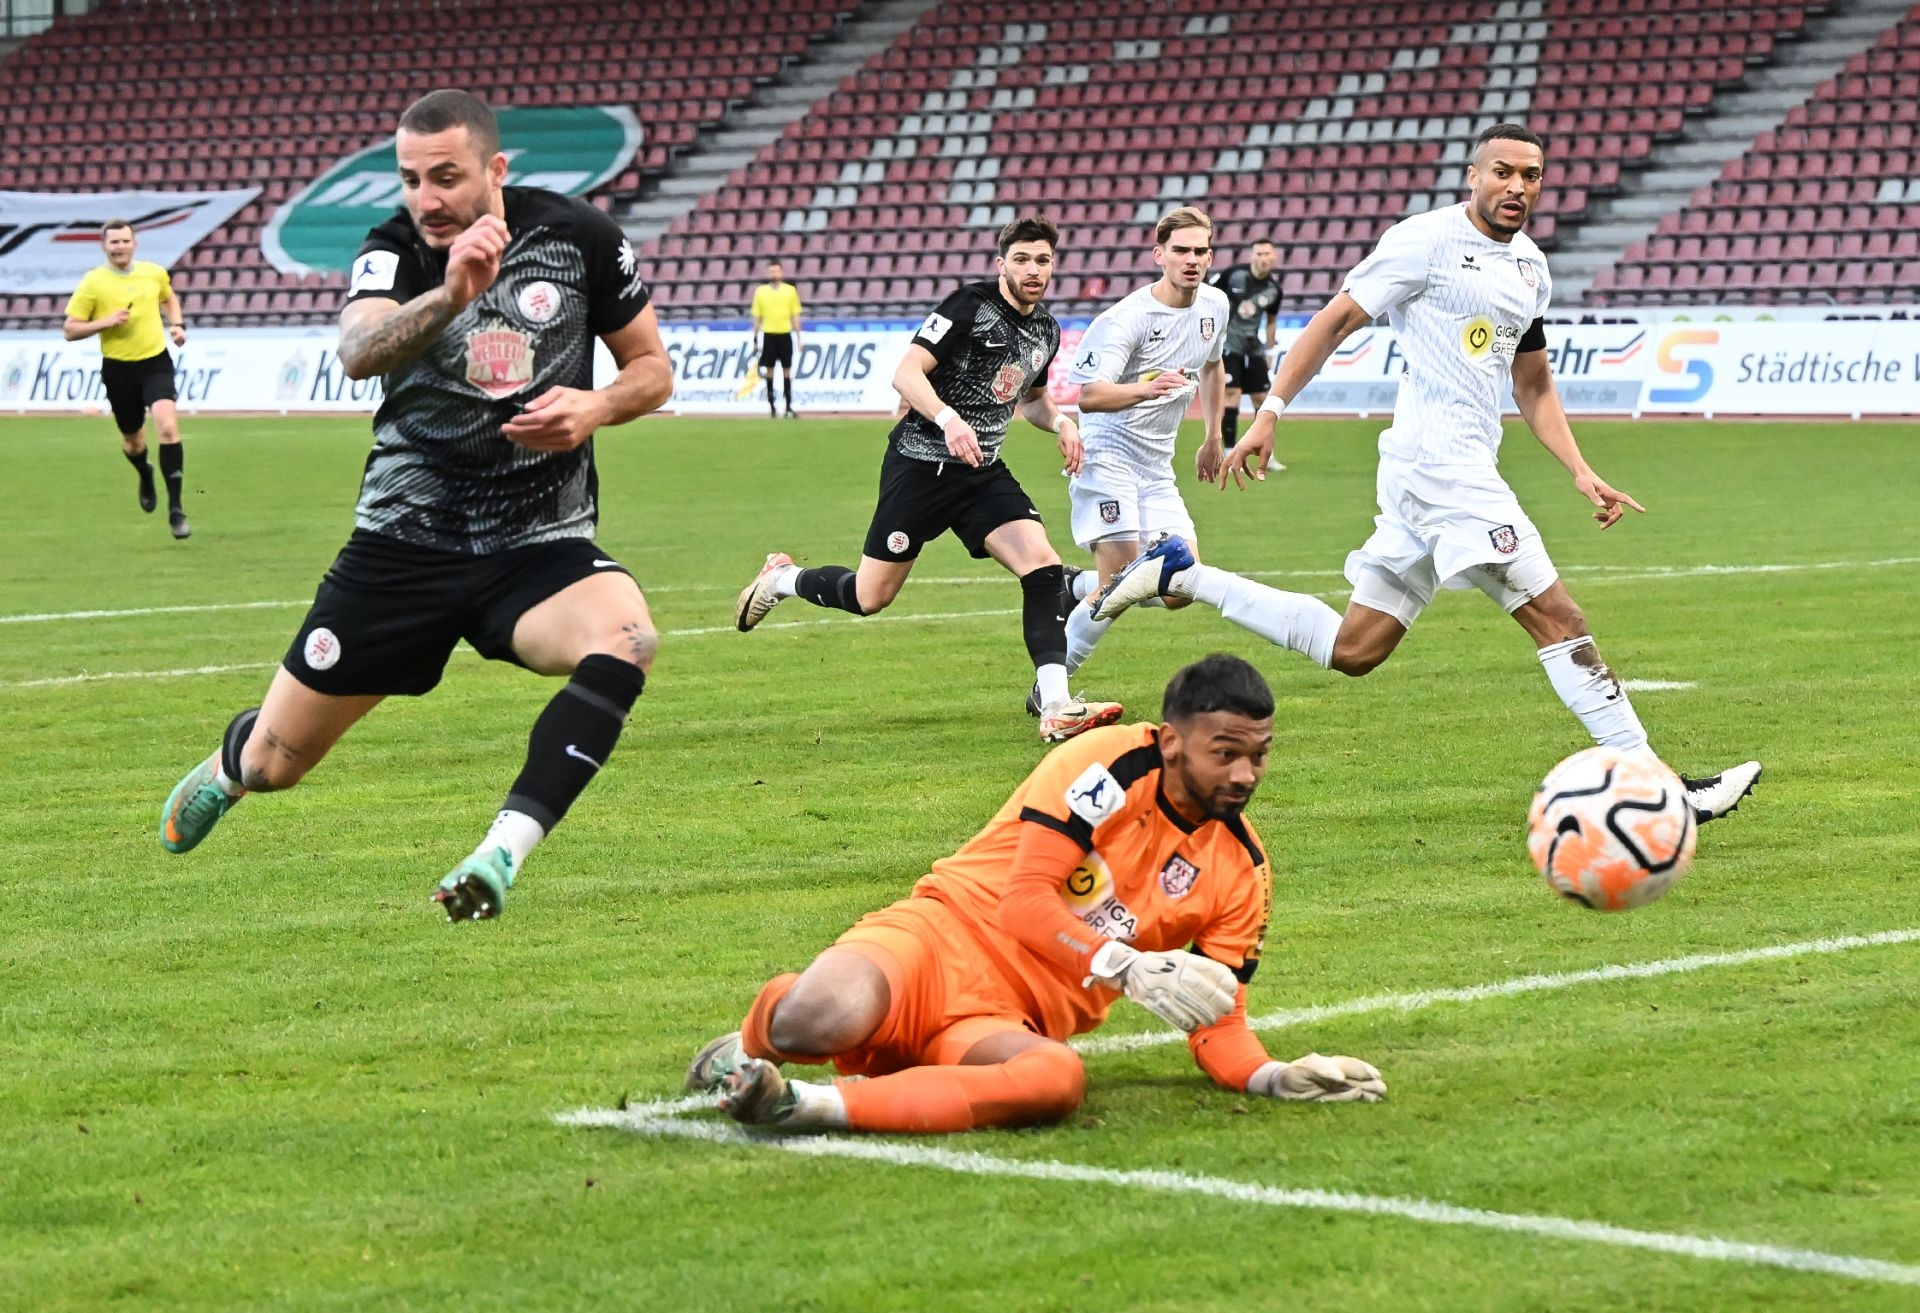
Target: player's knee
816,1027
1054,1081
874,597
1354,659
1176,603
635,641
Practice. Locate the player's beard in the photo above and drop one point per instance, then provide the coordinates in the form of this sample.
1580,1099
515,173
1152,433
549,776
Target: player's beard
1499,222
1219,804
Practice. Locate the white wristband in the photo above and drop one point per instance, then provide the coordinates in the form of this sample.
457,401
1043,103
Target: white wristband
1273,406
946,416
1061,420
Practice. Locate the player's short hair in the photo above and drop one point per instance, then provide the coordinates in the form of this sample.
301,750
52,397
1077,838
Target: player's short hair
1508,132
1187,216
447,108
112,225
1216,683
1033,228
1261,241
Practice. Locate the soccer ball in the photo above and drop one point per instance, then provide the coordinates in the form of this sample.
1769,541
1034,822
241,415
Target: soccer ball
1610,829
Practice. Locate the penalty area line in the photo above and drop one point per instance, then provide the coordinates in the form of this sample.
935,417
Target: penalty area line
656,1122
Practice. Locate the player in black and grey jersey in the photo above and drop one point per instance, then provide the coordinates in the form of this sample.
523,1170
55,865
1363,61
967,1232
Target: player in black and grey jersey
479,304
1253,299
983,354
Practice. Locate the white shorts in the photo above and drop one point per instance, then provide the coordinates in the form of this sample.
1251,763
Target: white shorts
1451,526
1113,501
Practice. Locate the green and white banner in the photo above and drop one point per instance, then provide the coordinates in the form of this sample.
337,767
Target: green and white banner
569,150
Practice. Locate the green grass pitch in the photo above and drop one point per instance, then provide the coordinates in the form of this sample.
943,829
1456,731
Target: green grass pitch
267,1076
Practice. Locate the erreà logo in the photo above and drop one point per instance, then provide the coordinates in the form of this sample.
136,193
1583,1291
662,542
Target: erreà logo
565,150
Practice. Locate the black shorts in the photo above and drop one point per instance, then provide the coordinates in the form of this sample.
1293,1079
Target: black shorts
1247,371
387,615
134,385
776,349
922,499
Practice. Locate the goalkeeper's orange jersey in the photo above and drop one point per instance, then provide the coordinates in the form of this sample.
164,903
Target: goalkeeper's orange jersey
1089,849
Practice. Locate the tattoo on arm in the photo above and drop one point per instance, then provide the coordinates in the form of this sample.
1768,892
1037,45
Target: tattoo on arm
376,346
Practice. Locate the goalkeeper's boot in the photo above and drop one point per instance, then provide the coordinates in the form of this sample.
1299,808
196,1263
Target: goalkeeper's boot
1716,795
759,597
476,890
720,1058
1063,720
757,1094
194,807
1145,577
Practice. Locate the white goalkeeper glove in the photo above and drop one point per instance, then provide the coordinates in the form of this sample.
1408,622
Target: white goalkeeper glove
1314,1079
1183,989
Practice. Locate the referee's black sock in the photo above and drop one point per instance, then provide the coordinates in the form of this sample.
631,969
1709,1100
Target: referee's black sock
1042,616
831,586
786,379
139,461
574,736
1230,426
172,460
773,411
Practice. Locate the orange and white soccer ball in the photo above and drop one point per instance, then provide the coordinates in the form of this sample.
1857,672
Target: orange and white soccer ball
1610,829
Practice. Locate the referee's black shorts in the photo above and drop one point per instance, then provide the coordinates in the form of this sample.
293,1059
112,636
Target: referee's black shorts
134,385
1247,371
776,349
922,499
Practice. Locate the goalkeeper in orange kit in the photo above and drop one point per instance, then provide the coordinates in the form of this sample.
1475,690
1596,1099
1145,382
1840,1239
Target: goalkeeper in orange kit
1122,865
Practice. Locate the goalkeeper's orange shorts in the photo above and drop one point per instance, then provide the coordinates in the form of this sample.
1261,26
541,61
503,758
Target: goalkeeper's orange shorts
946,994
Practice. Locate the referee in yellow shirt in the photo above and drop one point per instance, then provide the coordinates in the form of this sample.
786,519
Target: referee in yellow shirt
121,300
776,331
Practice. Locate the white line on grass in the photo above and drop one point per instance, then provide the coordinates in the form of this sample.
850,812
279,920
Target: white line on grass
1600,573
1523,985
1656,685
1415,1210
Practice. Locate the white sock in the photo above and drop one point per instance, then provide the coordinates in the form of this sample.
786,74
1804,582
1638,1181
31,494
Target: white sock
820,1107
1291,620
232,788
515,831
1083,632
1591,692
786,580
1052,679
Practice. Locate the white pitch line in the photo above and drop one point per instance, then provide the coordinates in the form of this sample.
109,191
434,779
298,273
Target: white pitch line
1427,998
1656,685
1415,1210
1599,573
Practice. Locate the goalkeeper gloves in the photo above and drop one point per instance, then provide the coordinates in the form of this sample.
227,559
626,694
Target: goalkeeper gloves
1314,1079
1183,989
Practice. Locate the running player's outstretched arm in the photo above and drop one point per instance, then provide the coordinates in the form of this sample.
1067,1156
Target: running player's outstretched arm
1336,321
1539,403
1038,409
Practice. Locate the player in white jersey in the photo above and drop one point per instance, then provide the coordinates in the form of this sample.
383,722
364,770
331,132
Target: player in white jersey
1465,291
1139,366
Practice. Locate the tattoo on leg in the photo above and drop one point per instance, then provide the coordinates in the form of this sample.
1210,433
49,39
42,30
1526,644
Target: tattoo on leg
641,643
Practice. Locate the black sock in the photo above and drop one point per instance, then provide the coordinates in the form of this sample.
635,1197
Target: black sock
1042,617
172,460
139,462
573,737
235,739
831,586
773,411
786,380
1230,426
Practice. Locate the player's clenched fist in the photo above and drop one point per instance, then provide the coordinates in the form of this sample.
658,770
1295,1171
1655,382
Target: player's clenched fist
473,261
1316,1079
1183,989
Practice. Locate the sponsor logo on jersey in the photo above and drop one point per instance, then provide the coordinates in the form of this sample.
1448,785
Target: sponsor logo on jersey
373,272
499,360
1248,309
1206,329
1095,794
322,650
935,327
1477,336
1177,876
1505,540
1110,512
539,302
1468,262
1009,382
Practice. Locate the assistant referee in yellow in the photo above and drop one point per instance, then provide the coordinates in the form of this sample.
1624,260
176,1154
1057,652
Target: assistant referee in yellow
776,331
122,301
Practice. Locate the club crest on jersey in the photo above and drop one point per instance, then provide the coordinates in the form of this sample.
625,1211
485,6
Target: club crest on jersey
1206,329
1008,383
1505,540
499,360
539,302
1527,275
1039,359
1177,876
898,542
1109,512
